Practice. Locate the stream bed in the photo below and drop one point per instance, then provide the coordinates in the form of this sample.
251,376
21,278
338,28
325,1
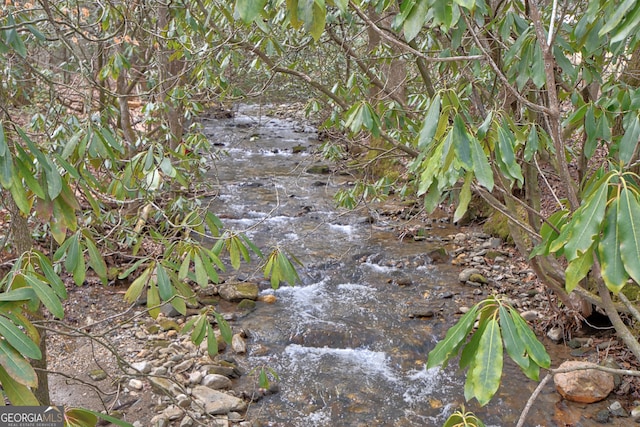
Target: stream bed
349,341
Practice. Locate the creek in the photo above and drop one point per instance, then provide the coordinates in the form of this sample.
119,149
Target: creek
349,341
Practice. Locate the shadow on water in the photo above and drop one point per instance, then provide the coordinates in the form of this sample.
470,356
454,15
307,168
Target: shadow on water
346,343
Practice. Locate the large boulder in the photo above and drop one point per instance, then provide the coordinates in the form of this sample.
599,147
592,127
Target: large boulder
583,385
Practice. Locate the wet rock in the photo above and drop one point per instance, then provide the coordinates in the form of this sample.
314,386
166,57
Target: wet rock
216,402
269,298
246,306
603,416
466,274
585,385
404,281
238,291
421,312
438,255
238,344
318,169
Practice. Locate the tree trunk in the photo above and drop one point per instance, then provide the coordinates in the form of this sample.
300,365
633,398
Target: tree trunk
23,242
171,76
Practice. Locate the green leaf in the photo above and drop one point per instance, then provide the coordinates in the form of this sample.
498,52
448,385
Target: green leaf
448,347
612,21
468,354
18,394
316,26
20,294
416,19
73,254
586,222
538,75
430,124
629,232
4,147
184,266
591,129
481,166
578,269
138,285
164,283
512,342
134,267
467,4
212,343
534,347
46,295
248,10
80,418
96,261
52,277
20,195
209,259
342,5
464,198
461,143
6,170
87,415
201,274
611,266
153,300
629,140
18,339
16,365
533,144
487,368
505,155
225,329
199,330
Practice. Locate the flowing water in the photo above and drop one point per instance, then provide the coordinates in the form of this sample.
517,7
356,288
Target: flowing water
342,341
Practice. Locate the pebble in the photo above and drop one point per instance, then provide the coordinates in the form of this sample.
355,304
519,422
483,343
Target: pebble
173,413
195,377
555,334
181,367
159,421
136,384
143,367
530,315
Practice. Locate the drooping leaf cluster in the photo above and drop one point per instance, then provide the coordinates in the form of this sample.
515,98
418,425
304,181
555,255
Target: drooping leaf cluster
480,337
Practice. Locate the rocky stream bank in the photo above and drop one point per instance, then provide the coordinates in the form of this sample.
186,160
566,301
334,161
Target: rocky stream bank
148,373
